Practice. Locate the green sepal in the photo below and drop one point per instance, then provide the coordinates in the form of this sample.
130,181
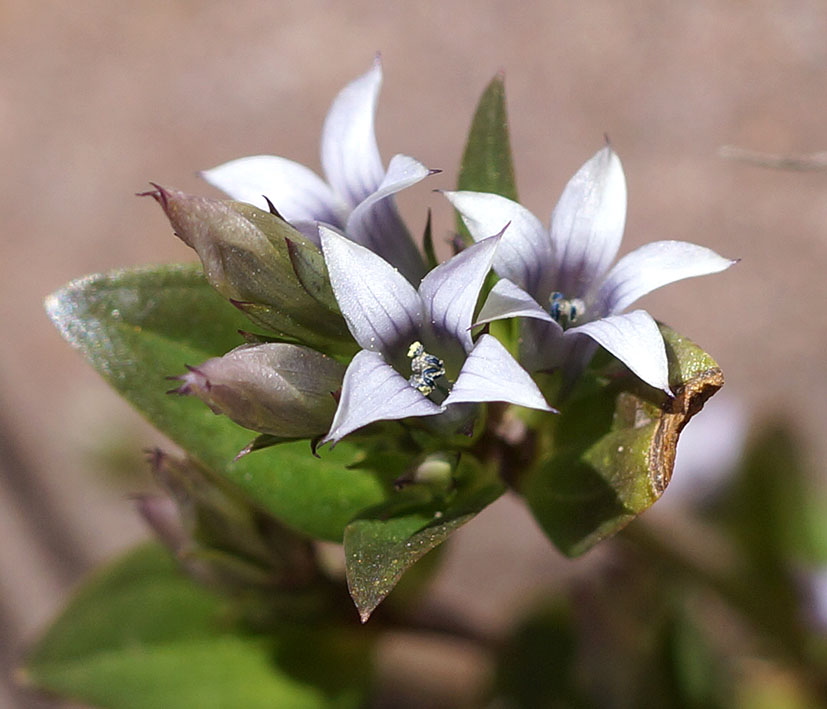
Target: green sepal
311,270
140,635
612,449
428,245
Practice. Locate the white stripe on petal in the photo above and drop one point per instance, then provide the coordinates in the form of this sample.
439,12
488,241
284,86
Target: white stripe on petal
587,223
376,224
450,292
382,310
296,191
490,373
635,340
654,265
507,300
350,156
372,390
524,256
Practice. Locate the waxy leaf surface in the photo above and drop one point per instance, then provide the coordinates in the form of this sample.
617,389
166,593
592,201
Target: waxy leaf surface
388,539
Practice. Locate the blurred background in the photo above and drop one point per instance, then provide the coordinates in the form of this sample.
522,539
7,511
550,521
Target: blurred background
97,97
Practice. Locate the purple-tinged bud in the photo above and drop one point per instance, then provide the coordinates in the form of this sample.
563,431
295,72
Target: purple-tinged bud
164,518
218,536
244,252
276,388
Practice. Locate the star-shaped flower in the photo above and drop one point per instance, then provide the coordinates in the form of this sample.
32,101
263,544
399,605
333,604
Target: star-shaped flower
416,342
357,196
559,278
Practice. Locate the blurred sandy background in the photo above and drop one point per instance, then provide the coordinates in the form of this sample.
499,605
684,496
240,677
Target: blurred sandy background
97,97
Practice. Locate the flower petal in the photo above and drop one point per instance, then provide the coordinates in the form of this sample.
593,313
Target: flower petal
375,222
491,374
635,340
450,292
382,310
296,191
507,300
350,156
525,255
372,390
587,223
655,265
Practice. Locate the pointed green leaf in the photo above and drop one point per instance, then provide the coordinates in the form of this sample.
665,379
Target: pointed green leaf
487,165
138,326
614,449
386,540
140,635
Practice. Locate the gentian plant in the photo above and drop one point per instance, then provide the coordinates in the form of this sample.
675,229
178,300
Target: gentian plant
332,382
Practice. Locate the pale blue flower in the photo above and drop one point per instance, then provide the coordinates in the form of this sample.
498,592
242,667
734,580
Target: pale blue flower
356,196
559,278
410,336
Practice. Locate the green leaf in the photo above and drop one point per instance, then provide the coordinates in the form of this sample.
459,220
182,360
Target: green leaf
386,540
140,635
138,326
614,449
487,165
771,506
778,519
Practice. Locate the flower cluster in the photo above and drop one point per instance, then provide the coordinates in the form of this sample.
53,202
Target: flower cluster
364,333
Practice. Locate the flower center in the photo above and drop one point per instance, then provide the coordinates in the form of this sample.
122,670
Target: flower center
565,311
426,368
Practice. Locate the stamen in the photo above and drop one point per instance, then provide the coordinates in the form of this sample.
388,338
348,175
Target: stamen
426,369
565,311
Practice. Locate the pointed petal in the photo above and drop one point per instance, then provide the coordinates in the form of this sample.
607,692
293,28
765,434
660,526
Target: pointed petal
655,265
350,156
507,300
376,224
587,223
491,374
450,292
372,390
635,340
382,310
525,253
296,191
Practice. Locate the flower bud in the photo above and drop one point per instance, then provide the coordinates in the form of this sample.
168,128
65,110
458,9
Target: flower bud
245,255
217,535
435,471
275,388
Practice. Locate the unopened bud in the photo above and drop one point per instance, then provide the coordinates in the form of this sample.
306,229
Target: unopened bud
164,517
435,471
217,534
276,388
245,255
